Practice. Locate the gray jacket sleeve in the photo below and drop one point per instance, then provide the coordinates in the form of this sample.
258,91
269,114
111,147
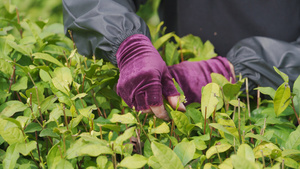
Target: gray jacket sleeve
100,26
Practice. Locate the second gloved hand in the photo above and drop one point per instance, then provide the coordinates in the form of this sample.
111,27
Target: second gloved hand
144,77
192,76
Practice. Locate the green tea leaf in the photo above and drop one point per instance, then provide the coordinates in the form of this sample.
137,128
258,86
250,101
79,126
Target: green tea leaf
33,127
231,91
127,118
86,112
282,98
288,152
209,99
296,91
11,157
266,147
218,79
45,76
246,151
12,107
48,58
62,164
172,55
26,148
163,128
125,136
20,48
217,149
135,161
257,137
102,162
185,151
154,163
293,140
165,156
242,162
181,121
62,79
157,44
21,84
267,91
283,75
6,68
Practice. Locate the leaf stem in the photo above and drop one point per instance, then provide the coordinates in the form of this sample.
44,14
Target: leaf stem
205,120
218,155
239,120
296,114
263,158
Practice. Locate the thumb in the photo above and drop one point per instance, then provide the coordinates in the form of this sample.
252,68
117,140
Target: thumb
174,100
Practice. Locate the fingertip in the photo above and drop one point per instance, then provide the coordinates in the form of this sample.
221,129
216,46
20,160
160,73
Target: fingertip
160,112
146,111
173,101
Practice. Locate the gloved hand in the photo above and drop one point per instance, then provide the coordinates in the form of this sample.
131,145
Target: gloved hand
144,77
192,76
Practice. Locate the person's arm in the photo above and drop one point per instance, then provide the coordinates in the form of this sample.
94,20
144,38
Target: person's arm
99,26
110,29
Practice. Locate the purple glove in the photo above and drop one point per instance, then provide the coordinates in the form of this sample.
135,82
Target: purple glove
192,76
144,76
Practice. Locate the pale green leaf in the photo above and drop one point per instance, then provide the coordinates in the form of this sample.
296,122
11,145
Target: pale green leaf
293,140
181,121
125,136
47,57
11,157
21,84
135,161
209,99
283,75
6,68
157,44
154,163
242,162
45,76
282,98
12,107
185,151
79,96
163,128
165,156
218,79
217,149
266,147
127,118
26,148
246,151
101,162
62,79
86,112
267,91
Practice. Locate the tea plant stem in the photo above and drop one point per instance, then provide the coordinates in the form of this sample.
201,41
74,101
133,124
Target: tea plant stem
205,120
239,120
139,141
282,164
181,53
65,117
263,158
18,17
67,61
264,127
37,146
114,156
258,99
154,125
234,149
101,136
218,154
96,103
248,100
140,125
296,114
71,35
37,97
145,119
82,84
271,160
12,78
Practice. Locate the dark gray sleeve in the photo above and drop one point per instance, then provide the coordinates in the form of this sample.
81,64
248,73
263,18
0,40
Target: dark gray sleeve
100,26
255,57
